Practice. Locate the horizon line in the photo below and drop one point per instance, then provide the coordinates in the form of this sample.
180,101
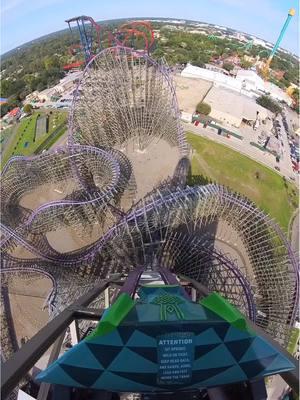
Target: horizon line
151,18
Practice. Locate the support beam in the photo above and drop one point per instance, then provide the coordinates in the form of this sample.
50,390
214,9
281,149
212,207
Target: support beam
74,332
20,363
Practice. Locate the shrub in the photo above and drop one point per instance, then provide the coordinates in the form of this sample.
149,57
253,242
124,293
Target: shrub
246,64
267,102
203,108
27,108
228,66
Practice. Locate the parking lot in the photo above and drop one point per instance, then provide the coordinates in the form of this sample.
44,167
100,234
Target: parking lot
283,166
293,144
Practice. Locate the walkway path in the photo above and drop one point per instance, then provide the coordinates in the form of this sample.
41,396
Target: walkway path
295,233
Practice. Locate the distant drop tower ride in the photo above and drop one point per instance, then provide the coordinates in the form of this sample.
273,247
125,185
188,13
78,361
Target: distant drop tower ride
86,27
291,13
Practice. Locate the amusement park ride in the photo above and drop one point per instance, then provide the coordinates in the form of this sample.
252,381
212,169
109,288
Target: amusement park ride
88,31
177,317
248,46
130,33
134,34
266,68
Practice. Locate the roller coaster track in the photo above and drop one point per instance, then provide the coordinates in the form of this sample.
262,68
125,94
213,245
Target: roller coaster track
125,95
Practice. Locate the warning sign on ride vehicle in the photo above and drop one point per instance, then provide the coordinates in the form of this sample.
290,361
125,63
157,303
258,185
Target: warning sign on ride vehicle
175,358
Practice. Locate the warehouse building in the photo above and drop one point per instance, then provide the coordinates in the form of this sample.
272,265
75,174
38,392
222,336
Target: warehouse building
227,106
219,79
247,82
233,108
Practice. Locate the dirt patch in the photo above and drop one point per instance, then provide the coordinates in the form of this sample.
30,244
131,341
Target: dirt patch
153,165
21,252
46,193
27,299
67,239
190,91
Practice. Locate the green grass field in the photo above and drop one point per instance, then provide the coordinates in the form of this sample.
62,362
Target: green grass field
294,338
267,189
4,135
24,142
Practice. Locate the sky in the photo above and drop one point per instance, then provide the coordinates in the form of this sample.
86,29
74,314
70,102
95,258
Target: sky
25,20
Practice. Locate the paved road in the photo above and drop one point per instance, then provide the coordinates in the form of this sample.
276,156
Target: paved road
244,147
286,159
62,141
295,234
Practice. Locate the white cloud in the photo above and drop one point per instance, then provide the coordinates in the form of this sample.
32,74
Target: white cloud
11,6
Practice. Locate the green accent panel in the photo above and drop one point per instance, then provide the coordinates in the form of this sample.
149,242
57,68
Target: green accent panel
159,285
114,316
263,148
169,304
225,310
215,126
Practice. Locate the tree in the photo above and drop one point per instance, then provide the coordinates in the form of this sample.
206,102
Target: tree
203,108
295,97
289,76
286,83
11,103
228,66
246,64
199,63
11,87
157,53
27,108
264,54
267,102
51,62
4,109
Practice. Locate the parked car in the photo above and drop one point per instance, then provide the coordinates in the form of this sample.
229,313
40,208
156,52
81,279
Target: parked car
277,168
